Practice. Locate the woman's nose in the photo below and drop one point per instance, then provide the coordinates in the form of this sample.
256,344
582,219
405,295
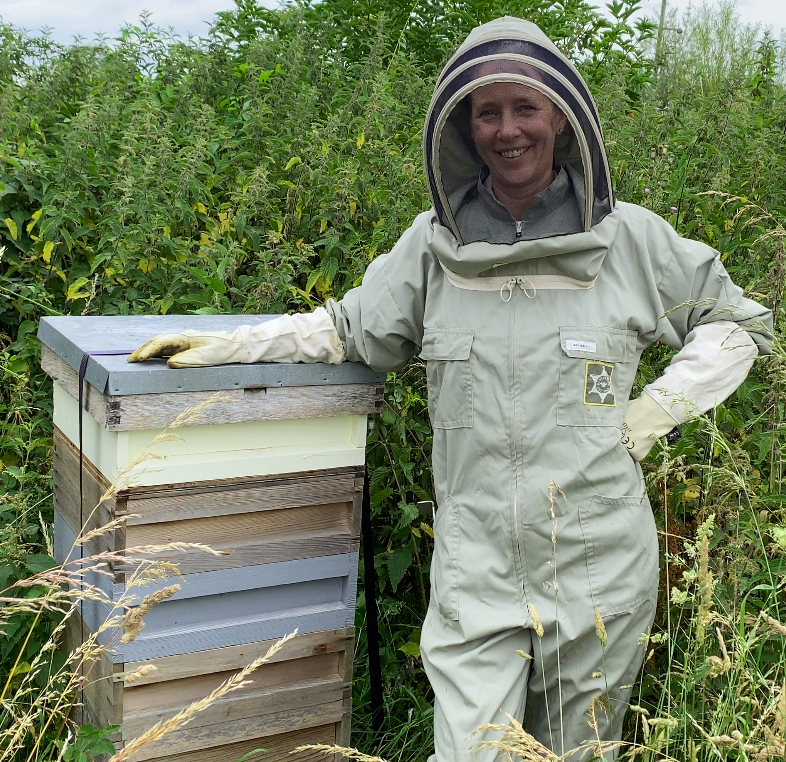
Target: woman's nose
509,127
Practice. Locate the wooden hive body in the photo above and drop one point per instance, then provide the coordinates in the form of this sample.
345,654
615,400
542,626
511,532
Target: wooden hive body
270,477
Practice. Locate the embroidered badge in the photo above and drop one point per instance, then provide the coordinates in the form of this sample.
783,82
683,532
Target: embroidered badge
598,390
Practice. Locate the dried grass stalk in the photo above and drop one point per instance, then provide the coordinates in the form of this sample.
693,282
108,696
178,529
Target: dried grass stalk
516,742
327,748
133,623
183,717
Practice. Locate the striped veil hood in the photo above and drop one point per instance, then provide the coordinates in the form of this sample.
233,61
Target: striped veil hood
511,50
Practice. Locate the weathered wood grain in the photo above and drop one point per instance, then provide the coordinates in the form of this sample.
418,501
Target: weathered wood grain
181,666
190,739
305,681
171,696
100,702
157,411
250,539
250,495
297,517
255,704
237,606
236,528
277,748
344,727
95,512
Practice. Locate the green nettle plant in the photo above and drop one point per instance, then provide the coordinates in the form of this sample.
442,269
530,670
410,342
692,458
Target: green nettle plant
259,170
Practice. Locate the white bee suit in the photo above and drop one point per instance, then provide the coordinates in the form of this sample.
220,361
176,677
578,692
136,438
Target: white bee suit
531,349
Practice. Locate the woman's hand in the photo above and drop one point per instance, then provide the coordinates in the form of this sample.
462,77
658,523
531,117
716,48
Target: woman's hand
645,422
308,337
193,349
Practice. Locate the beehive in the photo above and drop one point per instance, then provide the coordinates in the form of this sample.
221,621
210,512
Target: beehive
271,475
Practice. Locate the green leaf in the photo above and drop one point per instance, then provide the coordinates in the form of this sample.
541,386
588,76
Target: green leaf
11,225
39,562
6,573
408,513
411,649
75,290
20,669
291,163
251,754
398,562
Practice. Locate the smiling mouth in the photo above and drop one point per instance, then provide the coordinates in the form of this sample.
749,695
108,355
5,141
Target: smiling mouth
513,153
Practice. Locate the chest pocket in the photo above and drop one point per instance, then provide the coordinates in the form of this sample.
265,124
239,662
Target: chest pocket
449,374
597,368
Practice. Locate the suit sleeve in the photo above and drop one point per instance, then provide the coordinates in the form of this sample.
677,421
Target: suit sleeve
717,330
695,290
381,321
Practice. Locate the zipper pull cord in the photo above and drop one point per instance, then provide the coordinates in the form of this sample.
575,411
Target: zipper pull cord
507,290
527,286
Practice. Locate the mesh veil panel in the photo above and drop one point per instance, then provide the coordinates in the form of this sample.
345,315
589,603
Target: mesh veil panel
458,162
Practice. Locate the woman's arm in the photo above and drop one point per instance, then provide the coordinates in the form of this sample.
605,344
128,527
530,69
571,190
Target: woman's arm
380,323
719,333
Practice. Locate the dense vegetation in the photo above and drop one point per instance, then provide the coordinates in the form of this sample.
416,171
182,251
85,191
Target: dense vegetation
261,168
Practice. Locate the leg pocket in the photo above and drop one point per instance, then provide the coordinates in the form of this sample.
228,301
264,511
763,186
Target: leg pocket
621,544
449,375
444,562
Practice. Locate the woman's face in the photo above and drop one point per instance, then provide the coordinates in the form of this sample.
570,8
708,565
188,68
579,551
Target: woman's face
514,127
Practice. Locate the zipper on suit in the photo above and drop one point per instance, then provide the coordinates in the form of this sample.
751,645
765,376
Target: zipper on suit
519,226
516,442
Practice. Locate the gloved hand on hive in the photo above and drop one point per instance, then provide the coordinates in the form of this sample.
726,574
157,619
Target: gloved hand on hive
286,339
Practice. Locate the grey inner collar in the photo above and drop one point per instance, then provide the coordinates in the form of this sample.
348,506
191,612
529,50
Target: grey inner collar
549,199
556,211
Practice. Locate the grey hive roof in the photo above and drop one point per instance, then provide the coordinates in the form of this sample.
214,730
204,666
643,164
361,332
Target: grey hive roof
70,337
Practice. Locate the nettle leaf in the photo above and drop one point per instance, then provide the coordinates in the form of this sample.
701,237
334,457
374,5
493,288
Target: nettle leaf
398,562
40,562
75,290
6,573
11,225
408,513
411,649
380,495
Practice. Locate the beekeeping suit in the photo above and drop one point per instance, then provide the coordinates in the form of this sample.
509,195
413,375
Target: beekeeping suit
531,345
531,331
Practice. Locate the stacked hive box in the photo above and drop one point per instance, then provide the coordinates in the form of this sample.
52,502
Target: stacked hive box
271,475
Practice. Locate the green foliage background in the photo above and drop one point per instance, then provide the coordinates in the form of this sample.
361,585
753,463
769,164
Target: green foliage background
260,169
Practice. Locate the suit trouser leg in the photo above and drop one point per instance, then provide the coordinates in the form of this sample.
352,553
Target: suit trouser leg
589,675
479,682
475,683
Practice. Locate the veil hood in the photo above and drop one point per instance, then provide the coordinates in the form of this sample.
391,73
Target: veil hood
510,49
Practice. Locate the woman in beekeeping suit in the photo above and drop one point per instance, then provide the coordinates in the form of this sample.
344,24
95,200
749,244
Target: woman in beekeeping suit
531,293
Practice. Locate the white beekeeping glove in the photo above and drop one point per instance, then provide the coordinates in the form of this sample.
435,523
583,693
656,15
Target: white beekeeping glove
645,422
714,361
289,338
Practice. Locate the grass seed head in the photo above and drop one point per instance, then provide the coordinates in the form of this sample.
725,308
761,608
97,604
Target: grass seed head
600,629
533,612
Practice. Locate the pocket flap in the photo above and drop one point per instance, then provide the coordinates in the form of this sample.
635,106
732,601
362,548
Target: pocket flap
446,343
597,342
